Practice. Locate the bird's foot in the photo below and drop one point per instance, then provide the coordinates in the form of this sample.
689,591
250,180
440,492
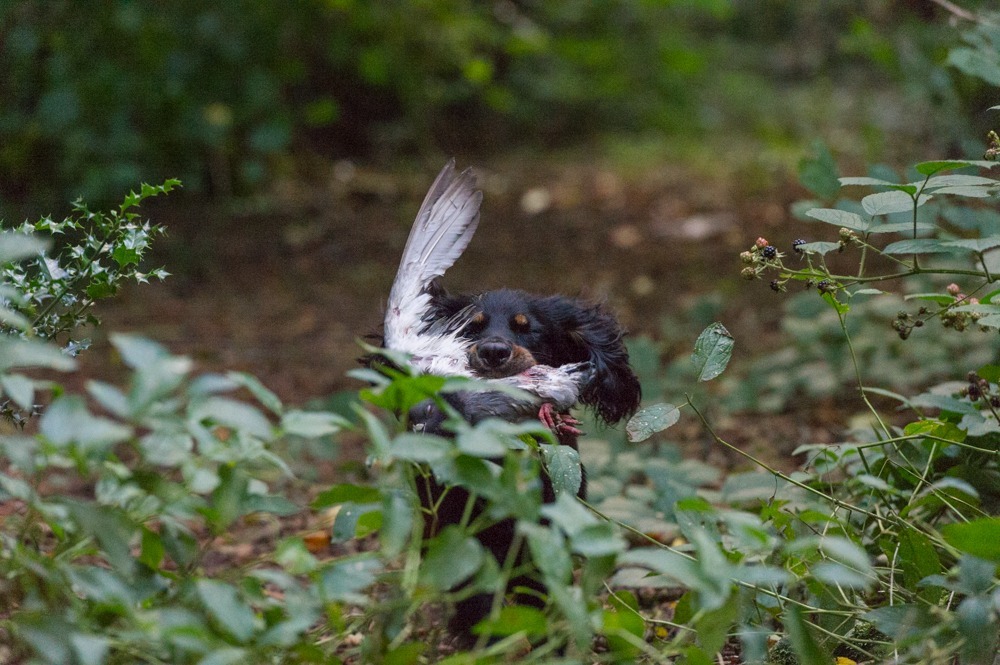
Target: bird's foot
560,423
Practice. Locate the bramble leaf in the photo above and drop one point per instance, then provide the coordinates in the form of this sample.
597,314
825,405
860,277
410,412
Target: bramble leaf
921,246
980,538
886,203
848,220
651,419
930,168
712,351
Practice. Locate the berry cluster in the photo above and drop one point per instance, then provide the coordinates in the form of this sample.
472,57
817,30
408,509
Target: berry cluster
904,323
959,320
760,257
980,389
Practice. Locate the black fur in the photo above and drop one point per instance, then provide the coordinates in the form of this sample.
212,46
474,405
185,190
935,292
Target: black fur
511,331
555,330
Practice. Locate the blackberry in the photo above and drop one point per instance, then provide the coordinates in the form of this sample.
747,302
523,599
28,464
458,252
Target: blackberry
797,243
974,392
769,252
775,285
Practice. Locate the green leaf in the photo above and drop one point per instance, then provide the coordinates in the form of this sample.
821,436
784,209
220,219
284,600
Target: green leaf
921,246
67,421
100,288
597,540
344,579
886,203
109,397
18,246
548,549
111,528
848,220
901,227
930,168
419,447
15,320
623,619
568,514
152,551
339,494
713,626
977,623
980,538
907,189
969,192
20,389
864,181
481,441
989,372
917,559
452,557
821,248
397,523
312,424
958,180
836,574
563,465
261,393
651,419
803,638
224,605
293,555
975,244
167,447
902,622
712,351
515,619
235,415
224,656
939,298
16,352
90,649
125,256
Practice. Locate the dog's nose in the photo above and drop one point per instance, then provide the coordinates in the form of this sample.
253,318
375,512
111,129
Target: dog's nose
494,352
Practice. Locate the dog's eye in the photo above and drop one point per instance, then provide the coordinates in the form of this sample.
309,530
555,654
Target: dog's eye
520,323
476,323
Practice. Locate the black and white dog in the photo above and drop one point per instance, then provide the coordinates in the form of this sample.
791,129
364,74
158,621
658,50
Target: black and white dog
560,350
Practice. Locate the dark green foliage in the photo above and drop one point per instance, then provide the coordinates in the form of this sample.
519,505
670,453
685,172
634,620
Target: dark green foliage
219,92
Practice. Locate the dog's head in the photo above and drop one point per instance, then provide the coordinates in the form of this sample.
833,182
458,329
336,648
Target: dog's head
512,330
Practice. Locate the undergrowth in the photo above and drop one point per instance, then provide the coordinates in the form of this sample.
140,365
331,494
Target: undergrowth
116,504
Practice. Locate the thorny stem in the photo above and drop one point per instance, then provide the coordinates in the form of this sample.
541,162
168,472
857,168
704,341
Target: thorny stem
857,374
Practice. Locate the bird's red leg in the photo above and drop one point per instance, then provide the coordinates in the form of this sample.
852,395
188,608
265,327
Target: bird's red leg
548,416
560,423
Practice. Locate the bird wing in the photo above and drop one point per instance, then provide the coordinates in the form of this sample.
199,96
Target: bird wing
444,226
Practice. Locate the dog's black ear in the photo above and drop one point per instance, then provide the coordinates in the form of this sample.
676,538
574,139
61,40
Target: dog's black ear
445,305
592,333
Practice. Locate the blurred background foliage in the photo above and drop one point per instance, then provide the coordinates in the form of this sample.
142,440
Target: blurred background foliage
97,95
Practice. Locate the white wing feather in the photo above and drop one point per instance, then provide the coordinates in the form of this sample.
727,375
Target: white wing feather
444,226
